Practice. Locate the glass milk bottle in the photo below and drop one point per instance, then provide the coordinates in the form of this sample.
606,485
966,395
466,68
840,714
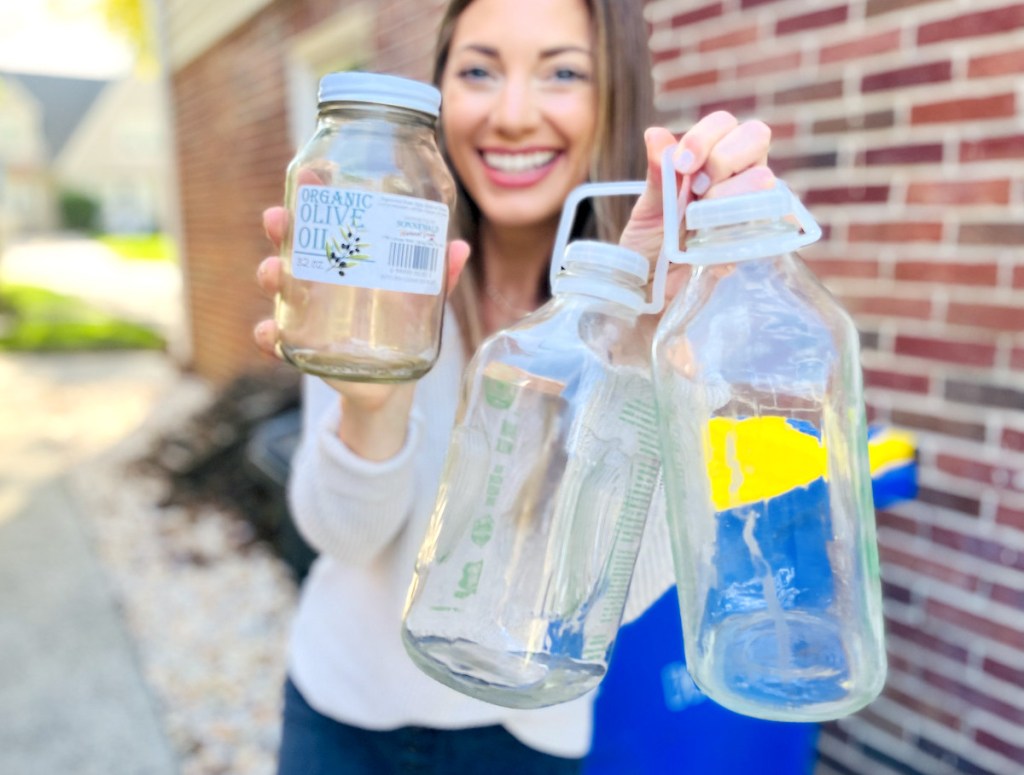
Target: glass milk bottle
364,250
521,581
764,446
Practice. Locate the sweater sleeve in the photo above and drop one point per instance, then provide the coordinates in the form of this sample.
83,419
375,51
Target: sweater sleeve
344,505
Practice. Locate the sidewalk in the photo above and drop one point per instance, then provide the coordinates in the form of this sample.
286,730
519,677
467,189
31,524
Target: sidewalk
73,697
73,700
136,638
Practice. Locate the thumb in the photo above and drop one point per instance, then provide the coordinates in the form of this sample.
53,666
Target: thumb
458,254
649,205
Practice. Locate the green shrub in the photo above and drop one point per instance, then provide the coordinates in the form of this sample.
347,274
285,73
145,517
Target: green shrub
35,319
78,211
140,247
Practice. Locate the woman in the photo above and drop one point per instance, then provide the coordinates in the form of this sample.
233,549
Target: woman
538,96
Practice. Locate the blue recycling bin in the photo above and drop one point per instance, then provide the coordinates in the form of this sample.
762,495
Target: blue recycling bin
651,719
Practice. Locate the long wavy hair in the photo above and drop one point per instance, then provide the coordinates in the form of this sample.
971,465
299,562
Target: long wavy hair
625,108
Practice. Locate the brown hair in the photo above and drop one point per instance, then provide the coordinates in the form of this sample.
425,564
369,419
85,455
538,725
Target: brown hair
624,109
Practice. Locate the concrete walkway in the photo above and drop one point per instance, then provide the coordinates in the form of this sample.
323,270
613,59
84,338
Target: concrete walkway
72,696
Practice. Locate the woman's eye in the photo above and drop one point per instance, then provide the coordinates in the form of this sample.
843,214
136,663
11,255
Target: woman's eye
570,74
473,73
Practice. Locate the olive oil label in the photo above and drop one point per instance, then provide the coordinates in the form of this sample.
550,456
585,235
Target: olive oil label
368,239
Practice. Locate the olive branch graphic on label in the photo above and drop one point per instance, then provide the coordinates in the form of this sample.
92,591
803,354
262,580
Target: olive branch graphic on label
347,252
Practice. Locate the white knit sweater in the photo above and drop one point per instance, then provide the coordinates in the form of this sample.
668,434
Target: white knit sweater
366,519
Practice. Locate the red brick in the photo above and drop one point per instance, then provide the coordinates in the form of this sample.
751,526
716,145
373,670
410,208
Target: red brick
783,131
1018,277
903,231
928,567
896,592
879,7
666,55
947,274
960,192
868,45
1001,477
977,626
812,21
1013,751
831,267
784,164
1010,234
922,153
893,521
932,423
934,72
739,106
709,11
915,703
965,109
773,64
887,306
731,39
917,706
964,504
993,316
1013,438
972,25
966,353
1009,596
846,195
983,394
927,635
1008,147
893,380
974,696
985,549
691,80
1008,62
879,119
1010,517
1013,676
812,92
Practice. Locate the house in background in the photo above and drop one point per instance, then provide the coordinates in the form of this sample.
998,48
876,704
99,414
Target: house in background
33,115
118,154
104,139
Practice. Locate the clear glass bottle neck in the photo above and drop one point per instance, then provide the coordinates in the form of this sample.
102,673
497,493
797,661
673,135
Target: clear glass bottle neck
589,282
347,111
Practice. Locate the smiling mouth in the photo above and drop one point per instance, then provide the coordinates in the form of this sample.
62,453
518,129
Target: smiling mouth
518,162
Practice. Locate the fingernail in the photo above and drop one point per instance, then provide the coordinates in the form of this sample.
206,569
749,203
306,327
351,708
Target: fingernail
684,161
701,184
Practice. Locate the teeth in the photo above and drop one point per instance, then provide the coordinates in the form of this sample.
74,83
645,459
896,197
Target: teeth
518,162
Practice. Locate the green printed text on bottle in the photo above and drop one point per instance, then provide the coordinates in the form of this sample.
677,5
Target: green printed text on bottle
369,240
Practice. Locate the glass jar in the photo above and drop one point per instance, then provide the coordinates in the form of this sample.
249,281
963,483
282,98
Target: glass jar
364,258
521,582
764,447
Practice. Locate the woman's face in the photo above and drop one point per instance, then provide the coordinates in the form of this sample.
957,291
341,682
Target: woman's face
519,108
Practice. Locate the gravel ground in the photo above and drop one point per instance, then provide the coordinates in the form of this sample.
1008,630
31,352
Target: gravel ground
207,604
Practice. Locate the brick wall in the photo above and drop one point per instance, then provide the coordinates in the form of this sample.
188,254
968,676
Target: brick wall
901,125
231,131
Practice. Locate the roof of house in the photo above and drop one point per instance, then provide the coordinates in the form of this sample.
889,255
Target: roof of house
64,101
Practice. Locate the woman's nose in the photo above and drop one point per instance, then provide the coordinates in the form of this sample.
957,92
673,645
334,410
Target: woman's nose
517,110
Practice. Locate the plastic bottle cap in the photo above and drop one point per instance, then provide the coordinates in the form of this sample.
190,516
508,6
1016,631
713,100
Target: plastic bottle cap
608,256
380,89
742,208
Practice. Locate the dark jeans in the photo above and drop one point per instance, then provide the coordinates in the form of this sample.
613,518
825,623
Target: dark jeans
312,744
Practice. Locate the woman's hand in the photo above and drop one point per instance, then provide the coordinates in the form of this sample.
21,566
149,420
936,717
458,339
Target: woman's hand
718,156
374,416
